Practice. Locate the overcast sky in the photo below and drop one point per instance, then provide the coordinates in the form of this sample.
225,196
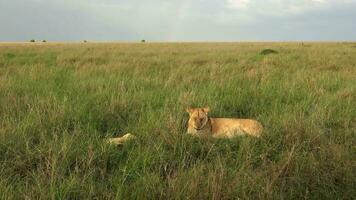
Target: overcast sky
177,20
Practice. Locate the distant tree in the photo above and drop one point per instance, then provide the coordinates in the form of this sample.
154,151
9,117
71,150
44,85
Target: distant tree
44,41
143,41
32,40
85,41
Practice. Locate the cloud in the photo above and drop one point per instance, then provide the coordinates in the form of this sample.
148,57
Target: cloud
177,19
285,7
237,3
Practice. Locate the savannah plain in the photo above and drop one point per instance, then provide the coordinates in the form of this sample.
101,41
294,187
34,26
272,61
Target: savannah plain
59,102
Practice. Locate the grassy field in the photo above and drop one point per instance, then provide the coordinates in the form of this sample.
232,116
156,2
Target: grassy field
59,102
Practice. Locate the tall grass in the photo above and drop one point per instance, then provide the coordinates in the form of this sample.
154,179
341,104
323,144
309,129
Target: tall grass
60,101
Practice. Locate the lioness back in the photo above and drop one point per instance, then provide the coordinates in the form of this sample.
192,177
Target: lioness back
230,127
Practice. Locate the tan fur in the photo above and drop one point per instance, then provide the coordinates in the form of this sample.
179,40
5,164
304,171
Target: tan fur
201,125
121,140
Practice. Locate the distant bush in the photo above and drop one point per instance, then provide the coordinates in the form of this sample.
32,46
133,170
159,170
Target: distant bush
268,51
32,40
85,41
44,41
143,41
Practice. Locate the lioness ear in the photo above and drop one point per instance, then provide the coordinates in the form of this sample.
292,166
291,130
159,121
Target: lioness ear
206,110
189,110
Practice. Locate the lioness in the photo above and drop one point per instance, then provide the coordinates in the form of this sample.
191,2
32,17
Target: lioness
200,124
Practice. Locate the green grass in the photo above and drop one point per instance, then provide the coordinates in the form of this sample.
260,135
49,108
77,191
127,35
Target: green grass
58,103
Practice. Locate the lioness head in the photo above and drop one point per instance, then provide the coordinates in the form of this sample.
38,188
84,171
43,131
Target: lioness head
198,117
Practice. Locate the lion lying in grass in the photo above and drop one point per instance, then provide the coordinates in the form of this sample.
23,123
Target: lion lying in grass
201,125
